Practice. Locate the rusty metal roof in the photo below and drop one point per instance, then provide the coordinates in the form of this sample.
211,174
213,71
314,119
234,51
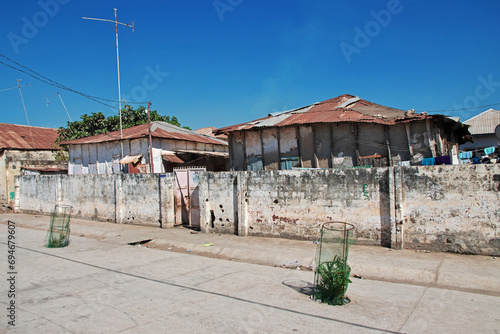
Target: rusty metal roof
170,156
25,137
209,131
158,130
343,108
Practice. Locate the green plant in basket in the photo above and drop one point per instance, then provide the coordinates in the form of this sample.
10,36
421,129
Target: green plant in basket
57,240
333,281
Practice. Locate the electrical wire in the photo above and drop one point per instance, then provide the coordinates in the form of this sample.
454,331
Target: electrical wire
58,86
51,82
463,109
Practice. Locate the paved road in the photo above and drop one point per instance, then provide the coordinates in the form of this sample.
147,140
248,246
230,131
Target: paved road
100,286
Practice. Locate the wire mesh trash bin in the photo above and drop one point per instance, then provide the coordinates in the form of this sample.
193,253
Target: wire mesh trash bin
58,234
331,276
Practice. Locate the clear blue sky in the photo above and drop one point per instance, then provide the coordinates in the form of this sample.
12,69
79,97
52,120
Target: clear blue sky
223,62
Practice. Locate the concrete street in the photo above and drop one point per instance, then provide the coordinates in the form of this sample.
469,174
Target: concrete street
101,284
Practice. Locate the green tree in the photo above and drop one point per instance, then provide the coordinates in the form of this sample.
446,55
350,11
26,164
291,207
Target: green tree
97,123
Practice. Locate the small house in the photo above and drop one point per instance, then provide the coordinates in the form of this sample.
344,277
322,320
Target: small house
157,147
26,149
482,128
345,131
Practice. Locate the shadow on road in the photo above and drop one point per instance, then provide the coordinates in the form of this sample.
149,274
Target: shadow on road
303,287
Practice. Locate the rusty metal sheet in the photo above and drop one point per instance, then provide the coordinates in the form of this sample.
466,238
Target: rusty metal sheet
141,131
343,108
172,158
14,136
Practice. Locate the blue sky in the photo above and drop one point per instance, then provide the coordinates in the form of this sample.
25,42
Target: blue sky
223,62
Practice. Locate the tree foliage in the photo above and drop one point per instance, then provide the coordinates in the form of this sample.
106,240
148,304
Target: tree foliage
97,123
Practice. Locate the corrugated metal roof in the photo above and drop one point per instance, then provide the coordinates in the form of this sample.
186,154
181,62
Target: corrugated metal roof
343,108
14,136
170,156
158,130
484,123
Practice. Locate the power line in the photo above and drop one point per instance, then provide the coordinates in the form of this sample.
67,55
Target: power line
463,109
51,82
58,85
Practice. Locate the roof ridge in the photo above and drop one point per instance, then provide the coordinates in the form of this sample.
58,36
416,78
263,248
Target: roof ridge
480,114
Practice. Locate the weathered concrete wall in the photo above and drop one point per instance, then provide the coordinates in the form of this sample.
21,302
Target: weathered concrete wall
294,204
219,202
92,196
445,208
452,208
143,199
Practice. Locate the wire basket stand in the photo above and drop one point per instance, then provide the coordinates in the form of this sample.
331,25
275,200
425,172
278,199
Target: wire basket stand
58,234
331,276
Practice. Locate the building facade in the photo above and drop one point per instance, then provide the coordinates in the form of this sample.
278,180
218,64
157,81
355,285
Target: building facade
345,131
25,148
130,151
482,128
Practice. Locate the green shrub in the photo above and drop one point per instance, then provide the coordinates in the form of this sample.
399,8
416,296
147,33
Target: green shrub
333,280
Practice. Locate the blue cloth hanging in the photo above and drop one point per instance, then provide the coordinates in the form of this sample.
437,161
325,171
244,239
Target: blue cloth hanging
489,150
428,161
466,155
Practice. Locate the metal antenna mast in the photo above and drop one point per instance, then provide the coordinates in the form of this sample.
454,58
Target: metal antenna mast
118,66
25,112
3,90
59,94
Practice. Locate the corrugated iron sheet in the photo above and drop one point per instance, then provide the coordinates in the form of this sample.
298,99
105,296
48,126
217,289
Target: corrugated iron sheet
14,136
484,123
344,108
172,158
158,130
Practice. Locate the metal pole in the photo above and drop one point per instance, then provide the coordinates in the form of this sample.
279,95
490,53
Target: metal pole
119,90
25,112
60,98
118,67
150,142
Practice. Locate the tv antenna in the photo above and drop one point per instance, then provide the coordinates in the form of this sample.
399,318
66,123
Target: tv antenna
59,94
27,85
25,112
131,25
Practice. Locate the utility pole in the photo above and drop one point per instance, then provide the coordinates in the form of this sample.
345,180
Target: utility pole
150,142
118,66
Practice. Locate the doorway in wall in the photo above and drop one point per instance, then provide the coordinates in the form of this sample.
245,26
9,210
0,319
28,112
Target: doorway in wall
187,199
